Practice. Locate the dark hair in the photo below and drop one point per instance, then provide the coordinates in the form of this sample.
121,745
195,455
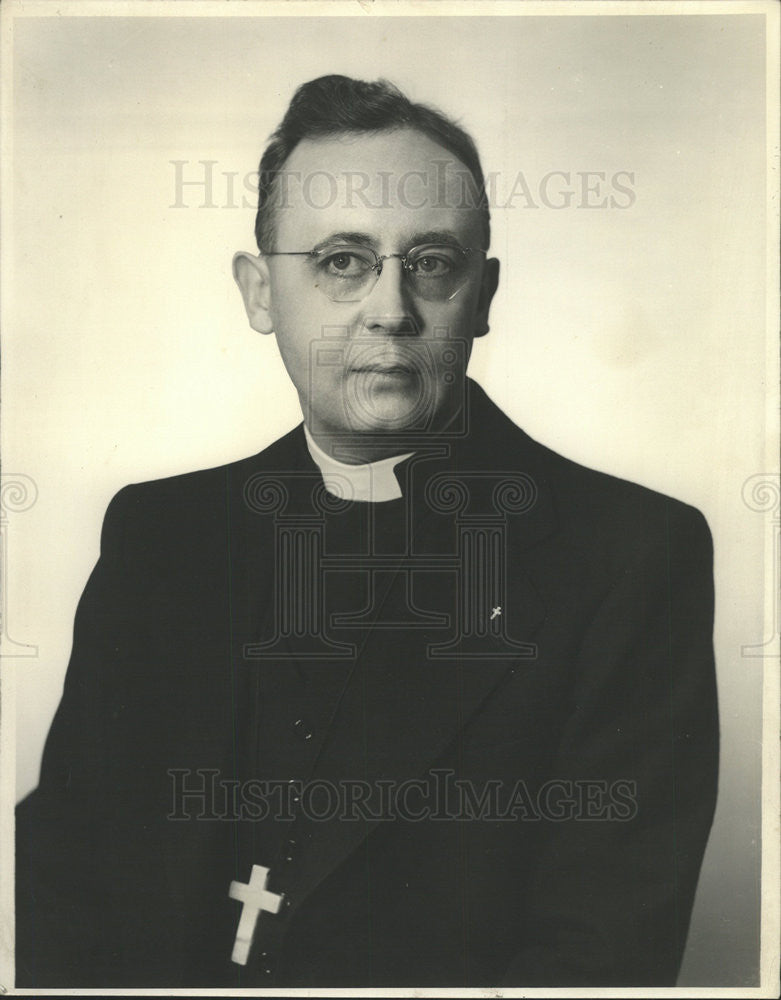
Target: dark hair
333,105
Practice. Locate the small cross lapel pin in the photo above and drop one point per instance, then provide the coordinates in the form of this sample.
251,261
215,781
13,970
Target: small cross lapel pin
255,898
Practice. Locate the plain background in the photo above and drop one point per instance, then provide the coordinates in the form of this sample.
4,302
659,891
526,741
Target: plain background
630,339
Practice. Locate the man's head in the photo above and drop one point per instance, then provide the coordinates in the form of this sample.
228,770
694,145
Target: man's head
338,105
375,338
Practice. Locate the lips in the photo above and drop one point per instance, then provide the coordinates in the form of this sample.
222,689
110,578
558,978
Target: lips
385,368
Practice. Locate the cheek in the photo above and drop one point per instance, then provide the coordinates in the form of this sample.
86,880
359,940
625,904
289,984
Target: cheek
458,322
313,351
296,327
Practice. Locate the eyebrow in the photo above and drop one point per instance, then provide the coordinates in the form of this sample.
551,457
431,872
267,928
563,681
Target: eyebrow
362,239
436,236
415,240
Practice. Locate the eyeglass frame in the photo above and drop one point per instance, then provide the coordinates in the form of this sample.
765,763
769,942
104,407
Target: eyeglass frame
378,259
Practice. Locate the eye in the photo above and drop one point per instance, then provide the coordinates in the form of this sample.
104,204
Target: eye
435,263
346,263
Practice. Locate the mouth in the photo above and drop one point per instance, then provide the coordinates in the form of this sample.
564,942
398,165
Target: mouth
397,368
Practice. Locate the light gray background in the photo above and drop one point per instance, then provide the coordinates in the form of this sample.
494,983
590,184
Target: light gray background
632,340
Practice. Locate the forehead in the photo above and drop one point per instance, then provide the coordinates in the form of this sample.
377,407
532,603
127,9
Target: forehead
389,185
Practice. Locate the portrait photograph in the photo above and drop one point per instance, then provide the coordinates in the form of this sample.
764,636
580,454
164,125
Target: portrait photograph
390,498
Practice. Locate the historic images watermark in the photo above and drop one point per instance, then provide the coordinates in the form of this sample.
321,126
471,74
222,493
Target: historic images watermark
205,184
430,363
480,506
762,494
18,493
204,794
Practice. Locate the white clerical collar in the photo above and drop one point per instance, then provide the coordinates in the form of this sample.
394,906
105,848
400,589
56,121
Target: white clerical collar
374,482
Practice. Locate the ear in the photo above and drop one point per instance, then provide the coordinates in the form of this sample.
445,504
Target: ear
488,285
251,275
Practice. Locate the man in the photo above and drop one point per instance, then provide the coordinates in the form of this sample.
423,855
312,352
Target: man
406,699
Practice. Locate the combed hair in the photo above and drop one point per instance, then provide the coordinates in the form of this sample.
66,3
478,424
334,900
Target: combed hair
334,105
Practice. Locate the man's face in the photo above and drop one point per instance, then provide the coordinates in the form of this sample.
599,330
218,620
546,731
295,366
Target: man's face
390,360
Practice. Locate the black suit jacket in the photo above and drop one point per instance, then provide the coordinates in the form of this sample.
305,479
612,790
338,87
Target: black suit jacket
571,737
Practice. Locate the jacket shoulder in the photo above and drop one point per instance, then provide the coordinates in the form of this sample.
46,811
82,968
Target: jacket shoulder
597,516
198,506
580,495
209,485
597,510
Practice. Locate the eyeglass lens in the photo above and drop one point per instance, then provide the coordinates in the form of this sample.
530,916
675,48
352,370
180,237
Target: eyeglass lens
348,273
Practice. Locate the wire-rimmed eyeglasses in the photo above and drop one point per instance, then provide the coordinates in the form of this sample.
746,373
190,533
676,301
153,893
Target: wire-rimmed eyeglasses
347,272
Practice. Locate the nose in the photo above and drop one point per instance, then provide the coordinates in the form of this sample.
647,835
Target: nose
388,308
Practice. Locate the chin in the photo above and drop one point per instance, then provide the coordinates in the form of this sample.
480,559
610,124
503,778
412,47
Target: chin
375,407
393,417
